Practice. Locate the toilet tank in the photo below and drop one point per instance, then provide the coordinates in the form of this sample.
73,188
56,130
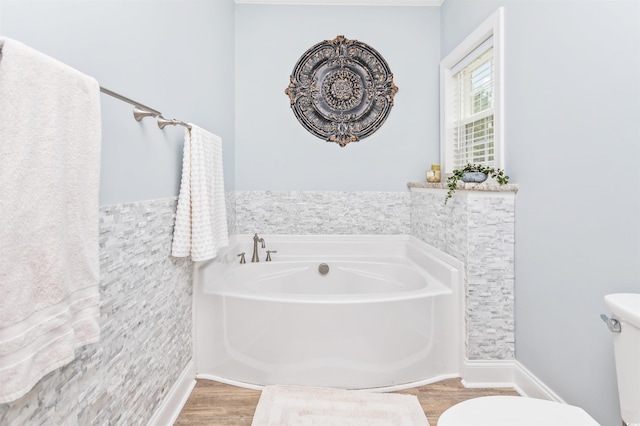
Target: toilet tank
625,308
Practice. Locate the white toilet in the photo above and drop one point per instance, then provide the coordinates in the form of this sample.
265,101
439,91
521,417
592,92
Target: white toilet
625,325
514,410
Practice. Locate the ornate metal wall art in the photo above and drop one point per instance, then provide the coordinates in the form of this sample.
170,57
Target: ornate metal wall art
341,90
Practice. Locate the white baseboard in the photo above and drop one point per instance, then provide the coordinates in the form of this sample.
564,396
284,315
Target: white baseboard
475,374
530,385
169,410
506,374
488,374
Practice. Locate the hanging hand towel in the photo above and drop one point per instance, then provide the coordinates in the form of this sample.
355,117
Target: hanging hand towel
49,226
201,216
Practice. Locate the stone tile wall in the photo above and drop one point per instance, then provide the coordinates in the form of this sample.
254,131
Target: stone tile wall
230,202
321,212
477,228
145,319
146,294
444,227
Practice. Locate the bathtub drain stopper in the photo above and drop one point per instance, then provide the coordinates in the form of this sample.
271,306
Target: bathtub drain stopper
323,268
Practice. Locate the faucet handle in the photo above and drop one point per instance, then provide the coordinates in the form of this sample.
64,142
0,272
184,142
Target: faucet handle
242,259
268,259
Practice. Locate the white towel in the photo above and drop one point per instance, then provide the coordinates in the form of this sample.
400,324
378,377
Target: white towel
201,217
49,224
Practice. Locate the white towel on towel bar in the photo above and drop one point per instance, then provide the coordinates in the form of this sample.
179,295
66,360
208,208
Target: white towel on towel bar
49,225
201,217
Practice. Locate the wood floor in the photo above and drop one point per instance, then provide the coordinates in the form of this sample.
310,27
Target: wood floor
217,404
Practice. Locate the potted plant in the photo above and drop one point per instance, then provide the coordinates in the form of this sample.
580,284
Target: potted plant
474,173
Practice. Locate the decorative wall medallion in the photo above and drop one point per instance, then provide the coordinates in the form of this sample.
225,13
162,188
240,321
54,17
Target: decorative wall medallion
341,90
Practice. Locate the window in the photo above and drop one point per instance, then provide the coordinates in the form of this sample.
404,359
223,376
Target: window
471,91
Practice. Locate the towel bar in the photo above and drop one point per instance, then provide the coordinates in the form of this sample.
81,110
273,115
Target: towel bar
141,111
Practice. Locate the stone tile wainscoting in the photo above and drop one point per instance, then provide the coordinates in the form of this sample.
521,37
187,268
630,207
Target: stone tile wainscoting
321,212
145,319
478,228
146,295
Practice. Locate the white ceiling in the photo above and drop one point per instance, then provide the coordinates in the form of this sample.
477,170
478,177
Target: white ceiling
348,2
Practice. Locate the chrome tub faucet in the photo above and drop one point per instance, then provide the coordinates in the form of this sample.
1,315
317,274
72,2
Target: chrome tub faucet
256,240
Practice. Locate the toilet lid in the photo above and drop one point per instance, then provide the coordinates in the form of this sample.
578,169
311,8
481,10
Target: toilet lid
514,411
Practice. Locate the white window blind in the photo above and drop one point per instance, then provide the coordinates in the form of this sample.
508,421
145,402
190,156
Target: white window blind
474,104
472,99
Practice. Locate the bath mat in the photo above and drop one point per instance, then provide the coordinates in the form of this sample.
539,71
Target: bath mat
314,406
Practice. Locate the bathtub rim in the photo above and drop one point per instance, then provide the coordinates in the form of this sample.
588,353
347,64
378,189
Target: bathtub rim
242,242
429,287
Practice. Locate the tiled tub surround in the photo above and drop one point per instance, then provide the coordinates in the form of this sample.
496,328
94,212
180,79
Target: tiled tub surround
145,319
321,212
230,202
477,227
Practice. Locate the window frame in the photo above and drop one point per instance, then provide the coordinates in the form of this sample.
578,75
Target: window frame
491,29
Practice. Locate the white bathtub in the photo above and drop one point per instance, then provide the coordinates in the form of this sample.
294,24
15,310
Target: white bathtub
386,315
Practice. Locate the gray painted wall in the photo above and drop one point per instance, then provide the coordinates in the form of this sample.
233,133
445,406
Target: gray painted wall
275,153
174,56
572,102
572,139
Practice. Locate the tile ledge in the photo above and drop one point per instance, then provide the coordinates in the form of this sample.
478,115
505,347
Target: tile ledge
484,186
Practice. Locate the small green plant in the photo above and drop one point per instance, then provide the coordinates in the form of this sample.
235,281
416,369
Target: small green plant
452,181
